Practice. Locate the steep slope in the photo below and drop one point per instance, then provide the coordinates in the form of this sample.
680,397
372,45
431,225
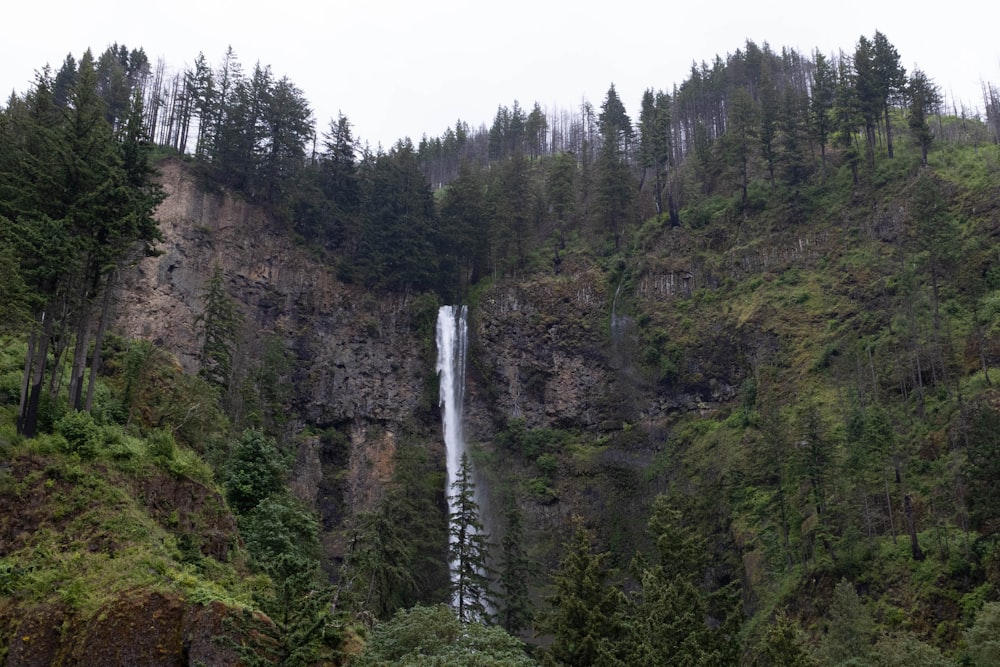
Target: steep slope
358,363
741,365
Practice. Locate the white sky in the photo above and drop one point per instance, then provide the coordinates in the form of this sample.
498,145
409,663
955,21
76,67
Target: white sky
407,68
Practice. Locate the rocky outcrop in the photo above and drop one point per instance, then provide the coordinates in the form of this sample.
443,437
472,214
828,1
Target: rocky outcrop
139,628
358,363
356,356
543,350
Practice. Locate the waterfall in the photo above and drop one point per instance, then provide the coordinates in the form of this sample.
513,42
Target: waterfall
451,342
452,339
619,329
452,331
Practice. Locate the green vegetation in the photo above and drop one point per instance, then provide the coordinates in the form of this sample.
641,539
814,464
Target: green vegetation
773,301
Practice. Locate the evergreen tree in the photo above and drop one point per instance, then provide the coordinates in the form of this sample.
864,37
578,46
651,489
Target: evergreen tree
924,100
847,113
983,645
220,321
615,186
656,145
287,128
535,128
200,84
850,630
984,469
397,555
768,119
397,247
514,610
737,141
464,228
435,636
869,92
793,123
585,615
668,620
73,219
64,82
254,471
783,646
561,187
821,103
468,548
890,80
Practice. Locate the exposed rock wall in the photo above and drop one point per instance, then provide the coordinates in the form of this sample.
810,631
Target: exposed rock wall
357,355
542,351
359,364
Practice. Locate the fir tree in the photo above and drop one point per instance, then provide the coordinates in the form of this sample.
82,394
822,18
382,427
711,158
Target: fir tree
585,618
924,100
468,548
849,634
514,608
220,321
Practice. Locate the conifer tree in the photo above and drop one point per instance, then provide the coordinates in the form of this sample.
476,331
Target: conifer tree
668,620
514,609
468,548
220,322
924,99
585,615
849,634
890,81
783,646
821,103
615,182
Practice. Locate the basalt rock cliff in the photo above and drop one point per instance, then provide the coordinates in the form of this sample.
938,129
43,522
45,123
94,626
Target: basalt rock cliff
548,351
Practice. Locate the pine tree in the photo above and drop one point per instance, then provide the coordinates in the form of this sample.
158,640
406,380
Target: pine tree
849,634
824,86
783,646
668,620
924,100
585,615
220,322
514,608
890,78
468,548
615,185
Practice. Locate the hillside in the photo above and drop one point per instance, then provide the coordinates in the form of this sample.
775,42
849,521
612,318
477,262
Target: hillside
731,391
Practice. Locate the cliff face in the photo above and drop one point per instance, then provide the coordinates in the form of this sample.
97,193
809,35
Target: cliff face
549,351
358,355
357,363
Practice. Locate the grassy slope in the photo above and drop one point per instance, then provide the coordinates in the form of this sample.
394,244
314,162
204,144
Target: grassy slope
85,529
817,298
810,302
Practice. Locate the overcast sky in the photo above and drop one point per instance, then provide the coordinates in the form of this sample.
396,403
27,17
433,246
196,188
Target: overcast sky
408,68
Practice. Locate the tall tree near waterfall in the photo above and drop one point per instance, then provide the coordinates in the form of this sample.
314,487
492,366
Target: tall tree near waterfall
585,615
656,146
220,323
72,220
468,548
514,571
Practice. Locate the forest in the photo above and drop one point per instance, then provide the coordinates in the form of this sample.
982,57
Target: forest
803,251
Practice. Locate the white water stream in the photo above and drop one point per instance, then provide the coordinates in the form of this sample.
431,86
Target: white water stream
451,343
452,334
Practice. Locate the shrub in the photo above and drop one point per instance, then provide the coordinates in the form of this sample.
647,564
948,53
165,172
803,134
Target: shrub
82,435
161,445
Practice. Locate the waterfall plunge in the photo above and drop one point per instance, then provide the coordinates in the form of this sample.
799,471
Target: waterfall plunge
451,343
